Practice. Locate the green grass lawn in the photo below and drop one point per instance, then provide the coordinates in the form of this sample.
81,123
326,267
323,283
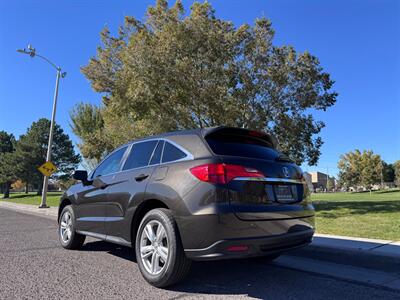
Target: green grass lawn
375,215
53,198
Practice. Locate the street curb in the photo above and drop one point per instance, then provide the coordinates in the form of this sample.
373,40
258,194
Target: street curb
49,213
366,253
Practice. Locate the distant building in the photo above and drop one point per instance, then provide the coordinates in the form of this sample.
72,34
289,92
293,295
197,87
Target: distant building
319,181
307,177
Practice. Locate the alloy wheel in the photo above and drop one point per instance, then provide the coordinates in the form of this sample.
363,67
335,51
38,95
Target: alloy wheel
154,247
66,227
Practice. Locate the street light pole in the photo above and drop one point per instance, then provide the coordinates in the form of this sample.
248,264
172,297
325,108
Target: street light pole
32,53
50,144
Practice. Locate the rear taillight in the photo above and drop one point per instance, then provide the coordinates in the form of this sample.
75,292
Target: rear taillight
223,173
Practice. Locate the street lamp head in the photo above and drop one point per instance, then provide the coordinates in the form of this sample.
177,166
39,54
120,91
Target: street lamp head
31,51
23,51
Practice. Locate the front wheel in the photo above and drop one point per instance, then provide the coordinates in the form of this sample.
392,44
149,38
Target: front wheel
69,239
159,250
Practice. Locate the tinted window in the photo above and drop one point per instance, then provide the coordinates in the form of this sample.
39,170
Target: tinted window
111,164
140,155
156,158
172,153
242,146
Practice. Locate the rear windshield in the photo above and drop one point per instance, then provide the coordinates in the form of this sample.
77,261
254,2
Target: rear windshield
244,146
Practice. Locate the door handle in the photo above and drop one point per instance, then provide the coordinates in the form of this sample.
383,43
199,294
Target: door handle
141,177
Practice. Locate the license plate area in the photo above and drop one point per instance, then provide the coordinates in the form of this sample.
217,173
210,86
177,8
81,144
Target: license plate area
284,193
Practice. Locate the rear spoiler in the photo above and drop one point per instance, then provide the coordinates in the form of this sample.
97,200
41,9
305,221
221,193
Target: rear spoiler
268,138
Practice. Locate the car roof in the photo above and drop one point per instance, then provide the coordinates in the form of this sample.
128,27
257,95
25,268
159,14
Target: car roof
204,132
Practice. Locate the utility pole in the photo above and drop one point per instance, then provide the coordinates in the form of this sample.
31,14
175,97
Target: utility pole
32,53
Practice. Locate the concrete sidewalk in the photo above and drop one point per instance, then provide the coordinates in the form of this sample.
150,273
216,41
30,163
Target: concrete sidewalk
368,253
50,213
379,247
358,252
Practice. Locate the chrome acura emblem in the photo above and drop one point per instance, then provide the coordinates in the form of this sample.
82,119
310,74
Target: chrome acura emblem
285,171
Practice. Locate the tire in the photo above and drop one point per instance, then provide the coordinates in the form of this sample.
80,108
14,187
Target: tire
75,240
171,267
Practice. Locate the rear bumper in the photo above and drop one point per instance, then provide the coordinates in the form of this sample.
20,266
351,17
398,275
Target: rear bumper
258,246
208,235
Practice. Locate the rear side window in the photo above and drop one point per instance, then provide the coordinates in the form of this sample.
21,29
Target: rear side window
140,155
172,153
244,146
111,164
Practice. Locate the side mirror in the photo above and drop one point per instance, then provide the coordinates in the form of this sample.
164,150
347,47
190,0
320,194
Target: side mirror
80,175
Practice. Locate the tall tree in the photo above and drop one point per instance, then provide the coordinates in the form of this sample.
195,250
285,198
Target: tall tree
349,169
31,151
360,169
371,172
330,184
87,123
388,174
177,71
7,142
7,162
8,175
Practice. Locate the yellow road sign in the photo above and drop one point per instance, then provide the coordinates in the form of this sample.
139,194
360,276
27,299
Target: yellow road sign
47,168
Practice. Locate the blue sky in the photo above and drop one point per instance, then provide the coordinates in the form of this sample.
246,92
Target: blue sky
357,42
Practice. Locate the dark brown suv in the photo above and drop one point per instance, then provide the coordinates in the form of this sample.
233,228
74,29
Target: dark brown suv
200,194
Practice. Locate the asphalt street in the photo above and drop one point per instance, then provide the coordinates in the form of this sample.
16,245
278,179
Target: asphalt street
34,266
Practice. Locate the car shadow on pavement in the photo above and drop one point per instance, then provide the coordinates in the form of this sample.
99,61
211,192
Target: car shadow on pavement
116,250
253,277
